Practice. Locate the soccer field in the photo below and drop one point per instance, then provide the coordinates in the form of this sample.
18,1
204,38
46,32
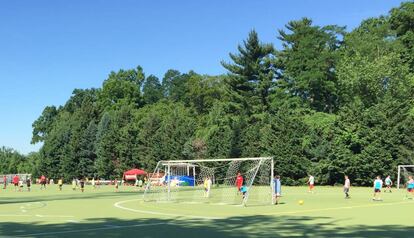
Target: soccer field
105,213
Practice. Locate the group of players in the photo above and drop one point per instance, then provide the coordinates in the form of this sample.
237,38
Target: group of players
377,185
277,192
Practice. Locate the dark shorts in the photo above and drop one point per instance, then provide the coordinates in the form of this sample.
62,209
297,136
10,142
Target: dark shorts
410,190
346,190
377,190
82,185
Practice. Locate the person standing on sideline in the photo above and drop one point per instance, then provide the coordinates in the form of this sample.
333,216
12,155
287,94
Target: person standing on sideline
278,189
388,184
347,186
311,183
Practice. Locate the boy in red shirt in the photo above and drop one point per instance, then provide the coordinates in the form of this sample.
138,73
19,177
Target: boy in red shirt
239,181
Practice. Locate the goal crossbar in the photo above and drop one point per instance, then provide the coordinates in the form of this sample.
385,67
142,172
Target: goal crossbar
214,160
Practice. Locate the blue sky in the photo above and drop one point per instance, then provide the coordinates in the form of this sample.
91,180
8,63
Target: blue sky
48,48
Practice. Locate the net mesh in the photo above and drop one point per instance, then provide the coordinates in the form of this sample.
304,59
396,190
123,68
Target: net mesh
405,173
189,182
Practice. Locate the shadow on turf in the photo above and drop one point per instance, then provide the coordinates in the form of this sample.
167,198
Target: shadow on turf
246,226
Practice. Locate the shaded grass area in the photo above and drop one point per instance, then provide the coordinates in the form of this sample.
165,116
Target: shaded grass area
250,226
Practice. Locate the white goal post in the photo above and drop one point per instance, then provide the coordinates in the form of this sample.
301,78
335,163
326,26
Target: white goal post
402,173
212,181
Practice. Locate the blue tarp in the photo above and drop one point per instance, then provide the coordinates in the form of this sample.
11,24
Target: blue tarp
182,180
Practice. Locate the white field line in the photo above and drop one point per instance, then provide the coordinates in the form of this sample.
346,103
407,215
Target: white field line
336,208
91,229
118,205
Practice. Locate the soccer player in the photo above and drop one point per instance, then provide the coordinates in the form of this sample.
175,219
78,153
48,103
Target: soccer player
311,182
243,190
60,183
207,187
42,182
388,184
239,182
82,184
377,189
28,184
93,183
278,189
16,180
74,184
347,186
116,185
20,185
410,186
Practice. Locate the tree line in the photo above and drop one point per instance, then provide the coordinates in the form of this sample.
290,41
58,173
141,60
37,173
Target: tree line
328,103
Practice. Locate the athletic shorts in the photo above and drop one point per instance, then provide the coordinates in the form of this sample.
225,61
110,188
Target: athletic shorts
346,190
311,186
377,190
410,190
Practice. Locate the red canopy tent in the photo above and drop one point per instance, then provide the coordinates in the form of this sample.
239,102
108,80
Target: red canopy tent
133,173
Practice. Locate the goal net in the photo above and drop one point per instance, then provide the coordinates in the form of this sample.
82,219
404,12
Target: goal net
404,171
215,181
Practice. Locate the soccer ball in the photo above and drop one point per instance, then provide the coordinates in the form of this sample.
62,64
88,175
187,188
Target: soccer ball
300,202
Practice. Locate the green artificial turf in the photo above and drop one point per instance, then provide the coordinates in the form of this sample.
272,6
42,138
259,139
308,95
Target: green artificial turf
105,213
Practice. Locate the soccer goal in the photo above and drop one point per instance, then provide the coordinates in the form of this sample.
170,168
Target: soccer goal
215,181
403,172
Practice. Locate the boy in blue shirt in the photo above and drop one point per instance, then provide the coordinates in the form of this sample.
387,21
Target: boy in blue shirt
377,189
410,186
277,189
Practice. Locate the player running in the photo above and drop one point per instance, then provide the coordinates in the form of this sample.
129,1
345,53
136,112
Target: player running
377,189
311,182
278,189
388,184
347,186
239,182
410,187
